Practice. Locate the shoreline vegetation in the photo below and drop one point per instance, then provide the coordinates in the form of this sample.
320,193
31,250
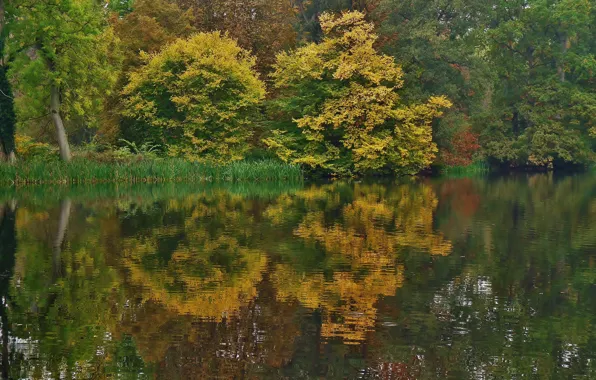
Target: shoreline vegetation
167,170
381,88
243,175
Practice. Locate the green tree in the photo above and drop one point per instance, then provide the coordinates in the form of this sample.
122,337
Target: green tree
543,103
340,108
435,43
7,112
62,64
198,95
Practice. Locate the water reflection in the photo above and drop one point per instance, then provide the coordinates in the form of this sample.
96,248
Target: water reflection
483,278
358,230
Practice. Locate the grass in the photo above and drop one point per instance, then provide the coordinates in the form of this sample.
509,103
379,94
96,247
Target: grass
43,196
476,168
84,171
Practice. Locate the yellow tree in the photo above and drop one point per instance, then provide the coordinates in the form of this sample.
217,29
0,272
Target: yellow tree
147,27
339,106
198,96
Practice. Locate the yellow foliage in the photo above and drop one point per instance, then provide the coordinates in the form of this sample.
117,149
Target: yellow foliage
345,93
364,243
199,94
27,148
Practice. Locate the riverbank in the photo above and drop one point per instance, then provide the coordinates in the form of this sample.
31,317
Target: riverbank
85,171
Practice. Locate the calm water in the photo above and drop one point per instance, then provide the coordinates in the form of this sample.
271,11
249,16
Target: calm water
430,279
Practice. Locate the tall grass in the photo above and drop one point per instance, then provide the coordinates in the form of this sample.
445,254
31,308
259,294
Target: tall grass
44,196
476,168
82,171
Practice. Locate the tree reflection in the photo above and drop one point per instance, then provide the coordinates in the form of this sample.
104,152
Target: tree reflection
62,295
197,257
8,246
449,279
360,231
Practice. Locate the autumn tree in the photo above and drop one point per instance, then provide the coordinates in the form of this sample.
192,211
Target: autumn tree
263,27
145,26
150,26
198,96
340,110
62,63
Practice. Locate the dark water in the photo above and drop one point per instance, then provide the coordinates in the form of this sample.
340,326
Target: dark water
430,279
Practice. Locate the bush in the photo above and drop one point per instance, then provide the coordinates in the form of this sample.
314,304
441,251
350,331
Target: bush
198,97
28,149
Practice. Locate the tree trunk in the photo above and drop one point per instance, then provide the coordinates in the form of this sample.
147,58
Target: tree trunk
65,207
57,119
564,46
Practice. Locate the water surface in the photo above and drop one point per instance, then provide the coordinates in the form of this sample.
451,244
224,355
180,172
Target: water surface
487,278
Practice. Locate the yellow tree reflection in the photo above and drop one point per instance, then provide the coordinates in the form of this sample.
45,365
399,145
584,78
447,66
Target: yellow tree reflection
192,269
369,226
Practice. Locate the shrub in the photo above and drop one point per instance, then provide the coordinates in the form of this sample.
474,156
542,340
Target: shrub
28,149
199,96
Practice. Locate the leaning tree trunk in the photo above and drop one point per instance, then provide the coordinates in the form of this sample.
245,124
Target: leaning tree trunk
57,119
65,207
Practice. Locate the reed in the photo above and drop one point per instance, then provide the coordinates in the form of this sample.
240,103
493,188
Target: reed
476,168
83,171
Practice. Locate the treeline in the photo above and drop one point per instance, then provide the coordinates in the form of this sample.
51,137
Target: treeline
339,86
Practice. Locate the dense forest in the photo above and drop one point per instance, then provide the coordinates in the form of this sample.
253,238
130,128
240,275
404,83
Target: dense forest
340,87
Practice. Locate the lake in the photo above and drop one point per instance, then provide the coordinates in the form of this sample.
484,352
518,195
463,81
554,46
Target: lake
464,278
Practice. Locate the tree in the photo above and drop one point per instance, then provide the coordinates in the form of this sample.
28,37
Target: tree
435,42
62,63
543,105
263,27
197,95
7,113
340,110
146,26
308,12
151,25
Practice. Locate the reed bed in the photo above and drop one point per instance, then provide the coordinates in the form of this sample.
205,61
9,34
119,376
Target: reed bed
475,169
82,171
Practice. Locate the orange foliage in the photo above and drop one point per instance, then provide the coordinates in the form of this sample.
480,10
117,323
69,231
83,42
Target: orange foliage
464,145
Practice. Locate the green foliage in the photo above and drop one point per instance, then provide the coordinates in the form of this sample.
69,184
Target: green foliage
474,169
341,108
65,44
121,7
7,112
198,96
145,149
543,102
432,41
131,170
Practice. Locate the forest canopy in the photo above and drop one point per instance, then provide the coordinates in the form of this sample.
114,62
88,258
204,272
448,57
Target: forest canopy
341,87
